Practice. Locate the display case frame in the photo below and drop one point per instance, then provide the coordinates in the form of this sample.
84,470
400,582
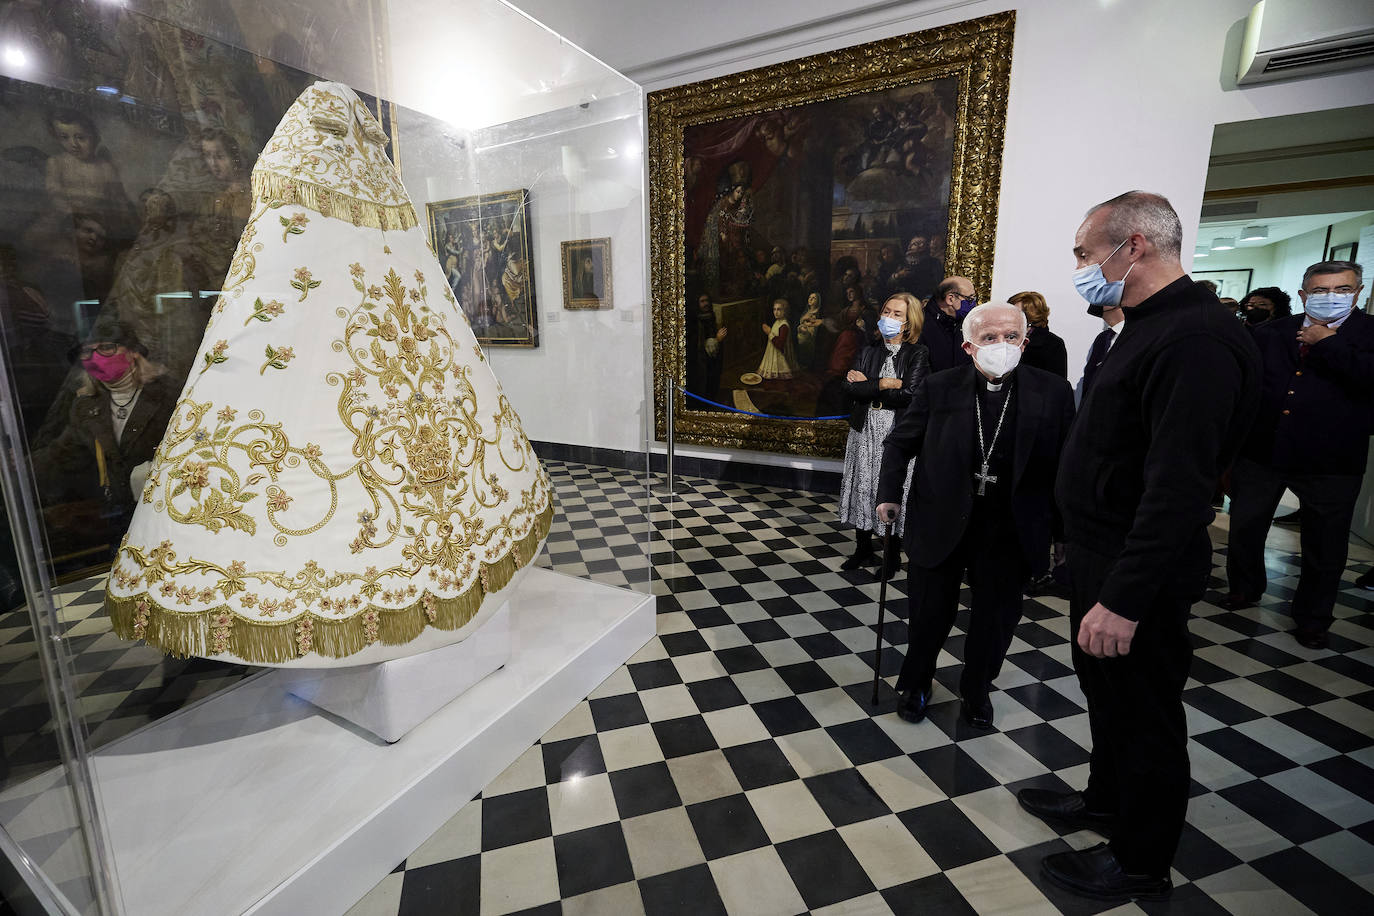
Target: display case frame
137,747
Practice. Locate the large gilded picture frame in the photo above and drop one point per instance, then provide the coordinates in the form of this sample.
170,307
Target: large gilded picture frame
787,202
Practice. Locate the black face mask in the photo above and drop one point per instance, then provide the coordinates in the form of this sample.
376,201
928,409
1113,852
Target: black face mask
1257,316
1095,311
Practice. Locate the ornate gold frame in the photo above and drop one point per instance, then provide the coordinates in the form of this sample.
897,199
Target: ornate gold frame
978,52
571,250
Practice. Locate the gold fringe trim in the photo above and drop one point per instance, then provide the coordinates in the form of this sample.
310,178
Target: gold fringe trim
274,188
219,629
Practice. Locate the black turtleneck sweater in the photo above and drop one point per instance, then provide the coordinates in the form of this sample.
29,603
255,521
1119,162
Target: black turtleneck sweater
1166,413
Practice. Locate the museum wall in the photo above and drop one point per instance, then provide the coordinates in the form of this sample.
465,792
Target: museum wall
584,382
1105,96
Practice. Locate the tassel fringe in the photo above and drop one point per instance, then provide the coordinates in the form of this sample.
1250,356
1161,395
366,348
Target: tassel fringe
275,189
218,630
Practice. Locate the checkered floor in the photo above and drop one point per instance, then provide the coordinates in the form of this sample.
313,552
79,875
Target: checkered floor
734,765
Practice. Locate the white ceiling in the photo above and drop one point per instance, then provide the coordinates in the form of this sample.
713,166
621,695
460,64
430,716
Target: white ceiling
1280,228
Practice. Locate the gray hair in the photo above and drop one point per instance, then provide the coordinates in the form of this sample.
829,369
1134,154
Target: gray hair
978,313
1333,267
1149,214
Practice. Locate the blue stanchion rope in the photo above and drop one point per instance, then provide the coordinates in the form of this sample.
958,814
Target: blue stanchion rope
750,413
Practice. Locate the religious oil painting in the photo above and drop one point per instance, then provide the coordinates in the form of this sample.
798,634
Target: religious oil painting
587,274
788,202
484,245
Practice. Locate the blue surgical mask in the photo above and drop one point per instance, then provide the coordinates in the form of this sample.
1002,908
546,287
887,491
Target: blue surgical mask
1328,306
1095,288
889,327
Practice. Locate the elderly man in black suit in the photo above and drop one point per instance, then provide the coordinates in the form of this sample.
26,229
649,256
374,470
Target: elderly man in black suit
988,438
1311,437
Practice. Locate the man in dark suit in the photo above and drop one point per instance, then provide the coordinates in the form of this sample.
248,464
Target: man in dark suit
1311,437
988,438
945,312
1164,415
1102,344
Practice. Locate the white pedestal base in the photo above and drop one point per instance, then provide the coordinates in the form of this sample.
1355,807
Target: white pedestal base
390,698
253,801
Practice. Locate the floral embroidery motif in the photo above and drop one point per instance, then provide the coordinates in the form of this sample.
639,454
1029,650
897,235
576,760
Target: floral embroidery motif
216,354
277,500
221,627
277,358
304,282
140,617
305,629
265,311
293,225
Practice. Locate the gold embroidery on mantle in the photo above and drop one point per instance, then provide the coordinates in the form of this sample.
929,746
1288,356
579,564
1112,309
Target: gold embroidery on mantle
218,629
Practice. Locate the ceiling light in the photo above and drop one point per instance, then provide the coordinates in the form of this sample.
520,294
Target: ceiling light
15,56
1225,243
1254,233
1201,251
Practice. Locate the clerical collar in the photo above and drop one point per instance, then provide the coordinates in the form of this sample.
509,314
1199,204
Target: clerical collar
995,386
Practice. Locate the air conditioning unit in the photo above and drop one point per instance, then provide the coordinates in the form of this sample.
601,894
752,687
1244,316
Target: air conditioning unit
1285,39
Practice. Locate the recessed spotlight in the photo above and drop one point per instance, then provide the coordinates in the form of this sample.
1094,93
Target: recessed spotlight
1254,233
1225,243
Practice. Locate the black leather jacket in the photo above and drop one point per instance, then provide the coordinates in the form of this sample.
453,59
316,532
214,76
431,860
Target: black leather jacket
911,363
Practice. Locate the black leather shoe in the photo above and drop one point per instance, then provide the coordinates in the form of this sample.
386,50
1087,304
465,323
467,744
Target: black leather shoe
1094,872
862,558
1311,639
1366,581
1235,601
976,712
911,705
1064,808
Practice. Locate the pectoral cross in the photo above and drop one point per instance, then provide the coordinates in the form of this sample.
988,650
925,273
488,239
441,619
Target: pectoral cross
984,478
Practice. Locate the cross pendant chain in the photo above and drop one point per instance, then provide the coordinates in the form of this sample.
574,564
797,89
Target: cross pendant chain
983,477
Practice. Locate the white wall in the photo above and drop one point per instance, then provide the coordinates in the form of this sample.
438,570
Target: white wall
583,167
1106,95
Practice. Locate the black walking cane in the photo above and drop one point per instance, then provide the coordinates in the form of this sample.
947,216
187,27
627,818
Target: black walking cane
882,604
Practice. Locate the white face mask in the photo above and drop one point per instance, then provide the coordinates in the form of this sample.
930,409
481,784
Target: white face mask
997,359
1328,306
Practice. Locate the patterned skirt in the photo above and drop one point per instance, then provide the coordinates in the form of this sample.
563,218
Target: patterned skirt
863,456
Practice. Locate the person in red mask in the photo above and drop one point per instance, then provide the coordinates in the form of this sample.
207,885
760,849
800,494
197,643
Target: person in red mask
117,419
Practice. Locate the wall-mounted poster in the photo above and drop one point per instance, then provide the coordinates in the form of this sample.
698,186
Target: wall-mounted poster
803,194
485,247
587,274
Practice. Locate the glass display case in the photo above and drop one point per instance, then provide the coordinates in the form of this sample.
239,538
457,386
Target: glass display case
219,778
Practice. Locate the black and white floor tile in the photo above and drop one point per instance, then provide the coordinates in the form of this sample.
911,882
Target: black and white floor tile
736,765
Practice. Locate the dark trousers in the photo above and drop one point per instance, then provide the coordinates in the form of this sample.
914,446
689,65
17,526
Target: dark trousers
1139,764
991,555
1327,508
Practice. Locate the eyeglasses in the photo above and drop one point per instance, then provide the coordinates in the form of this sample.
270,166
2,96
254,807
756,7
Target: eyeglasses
1339,290
104,348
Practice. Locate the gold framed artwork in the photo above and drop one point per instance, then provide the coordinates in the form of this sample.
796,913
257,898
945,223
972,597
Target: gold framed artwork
486,249
587,274
787,202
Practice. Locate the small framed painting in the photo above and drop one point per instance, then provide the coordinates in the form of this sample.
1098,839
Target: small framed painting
587,274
